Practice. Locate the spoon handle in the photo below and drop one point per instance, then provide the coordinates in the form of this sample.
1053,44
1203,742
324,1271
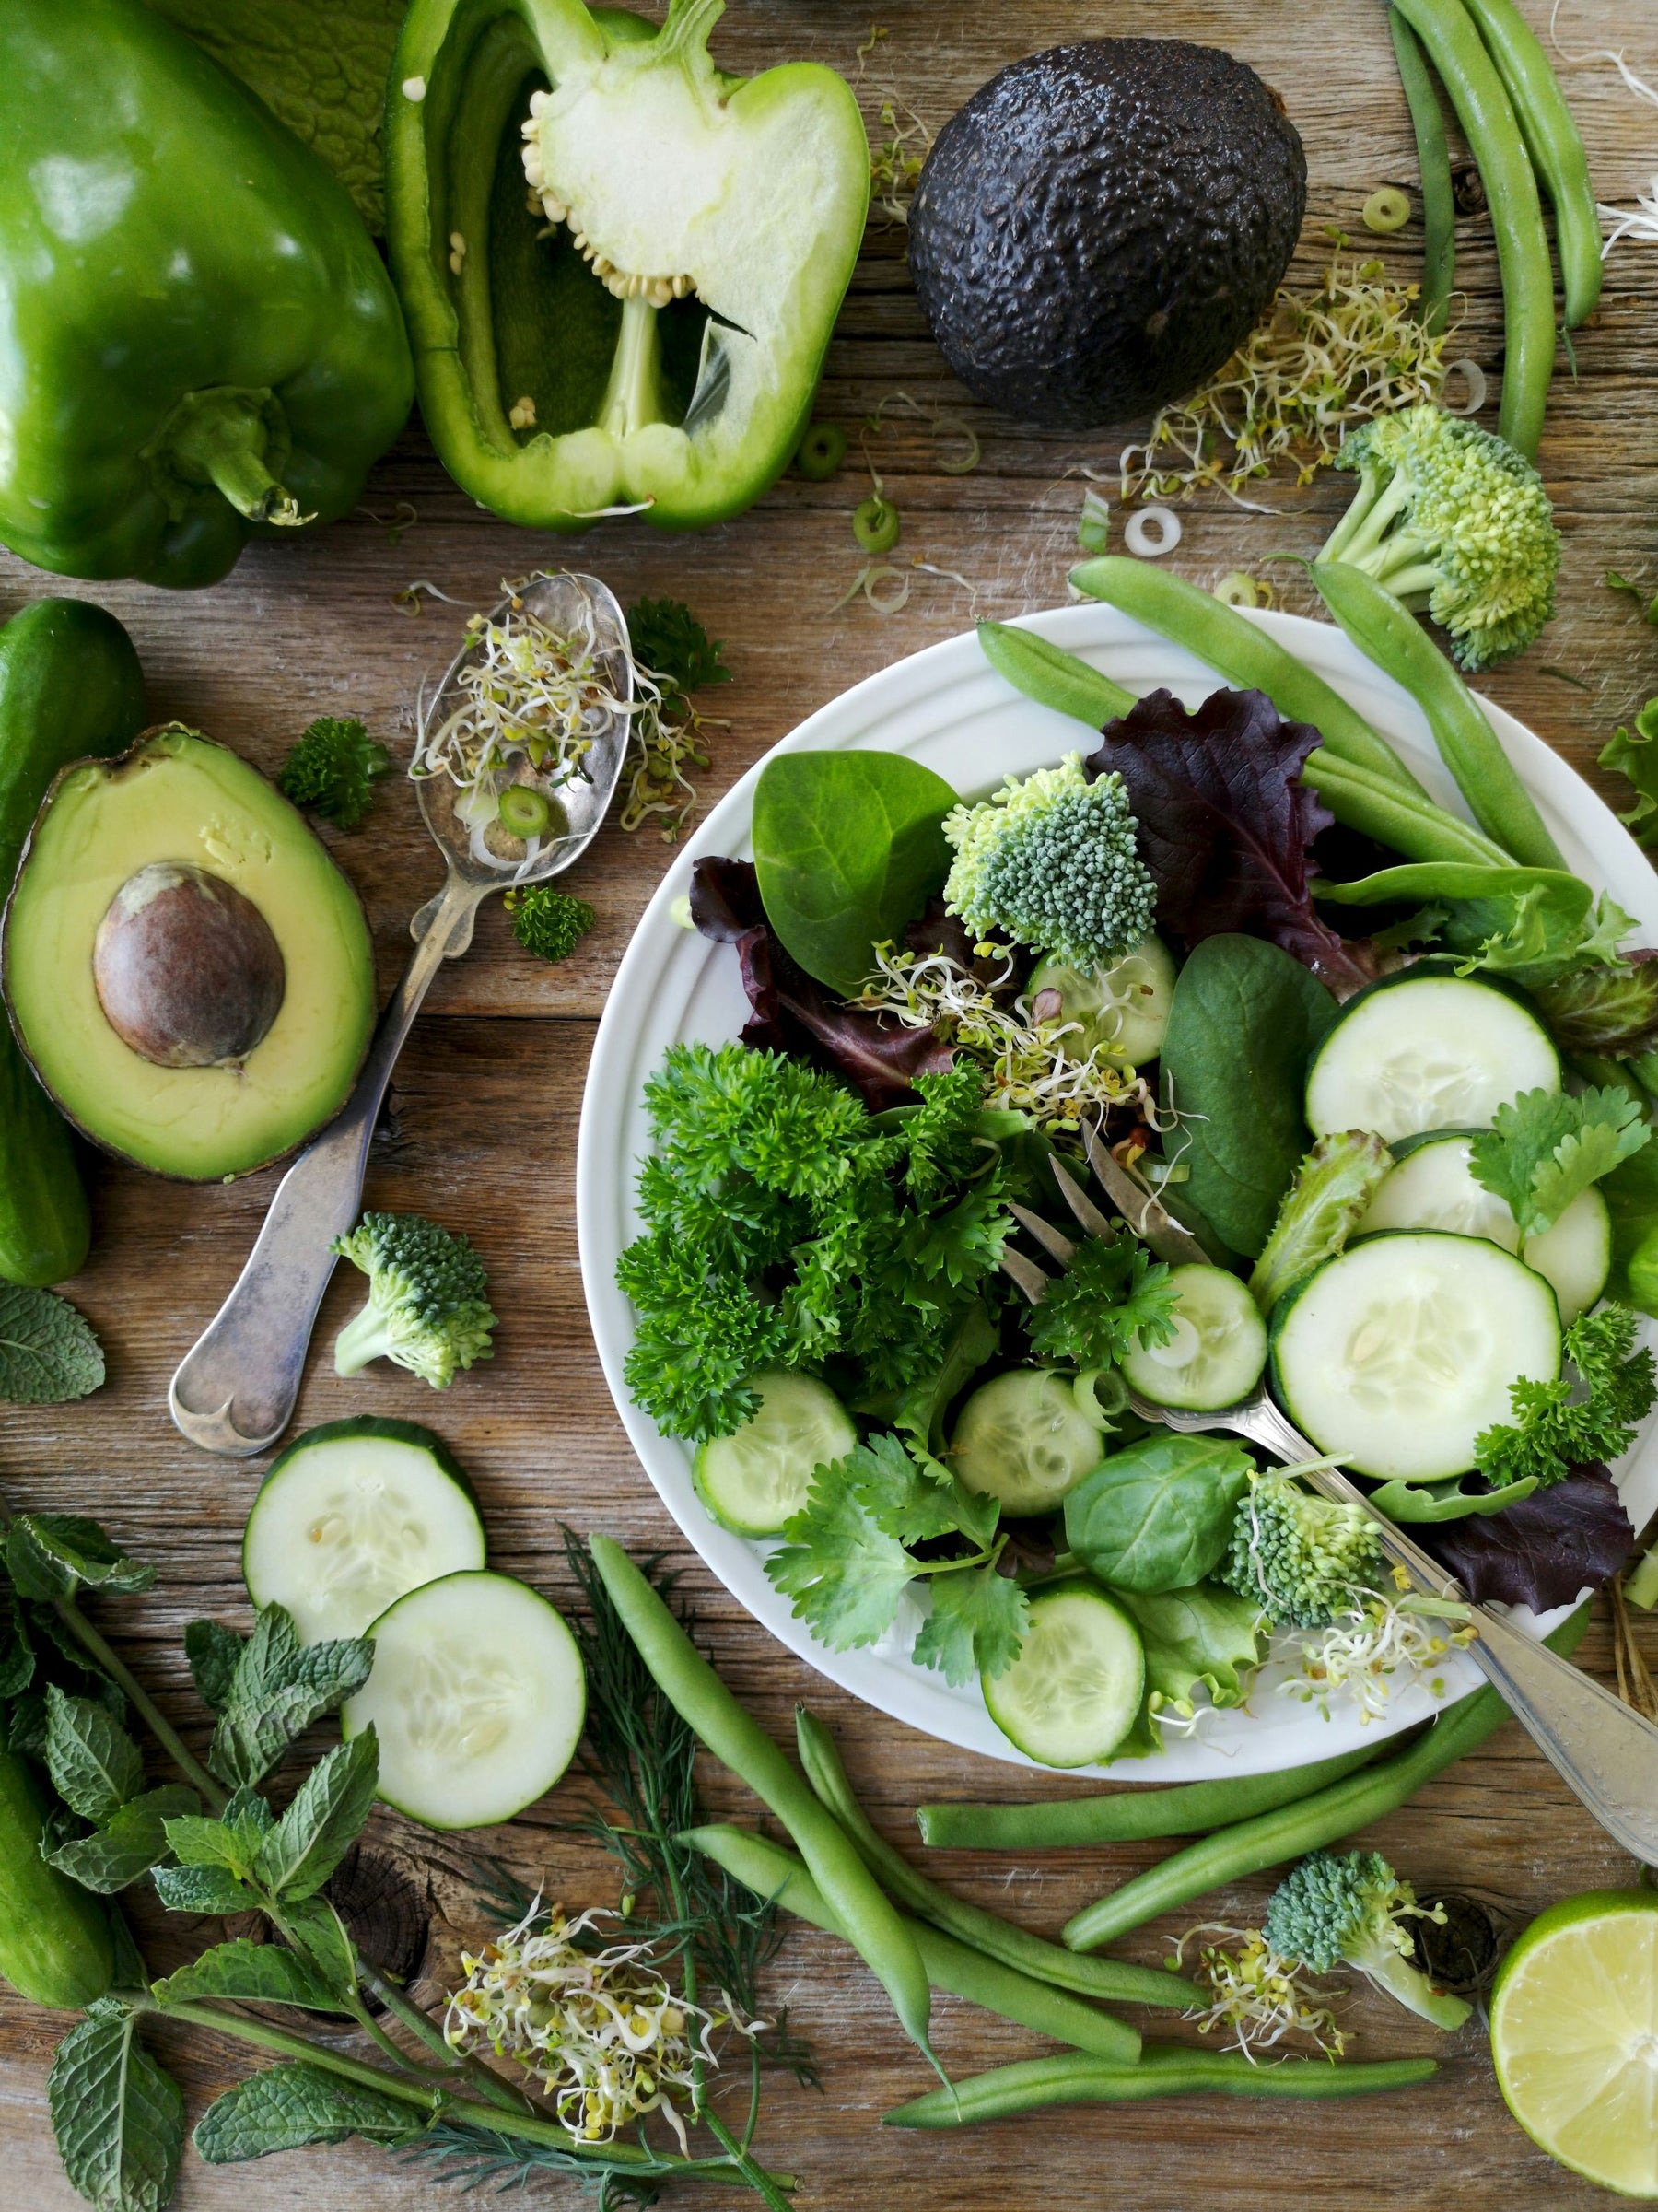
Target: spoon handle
235,1388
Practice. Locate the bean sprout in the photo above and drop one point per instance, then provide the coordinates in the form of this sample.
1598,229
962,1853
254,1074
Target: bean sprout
1364,1648
1254,1991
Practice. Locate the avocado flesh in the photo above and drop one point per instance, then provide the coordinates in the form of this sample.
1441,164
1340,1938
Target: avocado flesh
177,797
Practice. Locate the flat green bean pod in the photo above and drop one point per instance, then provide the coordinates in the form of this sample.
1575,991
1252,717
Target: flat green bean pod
1164,2070
1433,166
780,1878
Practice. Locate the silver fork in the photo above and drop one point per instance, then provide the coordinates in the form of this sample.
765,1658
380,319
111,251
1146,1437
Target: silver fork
1603,1750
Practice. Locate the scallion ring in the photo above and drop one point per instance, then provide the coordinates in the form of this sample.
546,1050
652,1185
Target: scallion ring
1236,590
1386,210
820,452
875,524
523,812
1474,376
1150,532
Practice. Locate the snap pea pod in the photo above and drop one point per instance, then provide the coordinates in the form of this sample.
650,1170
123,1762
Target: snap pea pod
779,1877
1555,144
865,1914
1053,677
1164,2070
1416,827
1233,1854
1433,167
1489,125
1127,1815
1244,654
1470,748
1112,1979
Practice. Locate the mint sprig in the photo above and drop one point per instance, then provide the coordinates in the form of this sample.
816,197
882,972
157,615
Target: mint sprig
48,1351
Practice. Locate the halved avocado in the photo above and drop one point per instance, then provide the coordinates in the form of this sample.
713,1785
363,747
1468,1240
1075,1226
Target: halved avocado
188,971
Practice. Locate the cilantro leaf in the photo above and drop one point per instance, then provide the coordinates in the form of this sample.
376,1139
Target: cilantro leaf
843,1571
976,1625
1109,1294
902,1502
1563,1425
670,641
1546,1148
1633,755
48,1353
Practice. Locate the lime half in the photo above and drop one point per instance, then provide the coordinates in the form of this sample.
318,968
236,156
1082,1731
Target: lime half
1574,2034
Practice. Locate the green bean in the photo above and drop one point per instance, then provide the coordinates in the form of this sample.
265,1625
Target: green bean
1127,1815
1164,2070
1232,1854
1470,748
777,1874
1417,828
1112,1979
1053,677
1555,144
702,1701
1488,123
1433,165
1244,654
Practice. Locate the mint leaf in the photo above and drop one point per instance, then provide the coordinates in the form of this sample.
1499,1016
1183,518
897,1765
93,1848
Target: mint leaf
278,1689
323,1821
48,1353
48,1554
117,2117
315,1930
16,1652
1544,1147
1111,1294
293,2105
197,1840
94,1763
250,1973
129,1844
976,1625
844,1573
205,1891
212,1651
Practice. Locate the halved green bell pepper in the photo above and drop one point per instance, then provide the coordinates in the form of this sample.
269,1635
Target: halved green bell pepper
200,339
620,266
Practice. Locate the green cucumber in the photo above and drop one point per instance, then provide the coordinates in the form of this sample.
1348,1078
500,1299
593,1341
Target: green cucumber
352,1516
755,1480
1075,1689
1123,1009
56,1944
1218,1351
1026,1439
70,685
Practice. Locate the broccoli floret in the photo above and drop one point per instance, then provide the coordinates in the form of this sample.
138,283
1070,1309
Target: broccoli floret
1302,1559
547,921
1352,1907
332,769
426,1309
1450,518
1051,862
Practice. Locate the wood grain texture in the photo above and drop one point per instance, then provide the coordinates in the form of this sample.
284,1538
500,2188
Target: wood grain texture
482,1126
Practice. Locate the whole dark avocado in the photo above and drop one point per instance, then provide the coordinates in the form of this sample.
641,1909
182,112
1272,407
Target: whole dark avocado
1102,224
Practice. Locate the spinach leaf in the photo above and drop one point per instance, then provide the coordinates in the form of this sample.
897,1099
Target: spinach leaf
1244,1019
850,847
1159,1515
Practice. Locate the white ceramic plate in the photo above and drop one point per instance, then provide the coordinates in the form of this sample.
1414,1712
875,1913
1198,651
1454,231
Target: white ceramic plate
948,708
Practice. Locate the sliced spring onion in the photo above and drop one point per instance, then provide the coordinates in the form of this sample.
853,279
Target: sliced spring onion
1150,532
1236,590
1093,525
1473,399
1386,210
875,524
821,451
524,812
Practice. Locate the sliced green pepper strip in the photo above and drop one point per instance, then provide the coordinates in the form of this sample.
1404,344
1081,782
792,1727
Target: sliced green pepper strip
621,295
1433,166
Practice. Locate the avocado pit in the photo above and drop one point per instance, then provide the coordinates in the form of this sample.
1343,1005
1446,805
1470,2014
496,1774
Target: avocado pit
187,969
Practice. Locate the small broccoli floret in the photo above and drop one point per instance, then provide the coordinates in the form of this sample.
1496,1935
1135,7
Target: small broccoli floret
1302,1559
1352,1907
332,769
547,921
1051,861
426,1309
1451,519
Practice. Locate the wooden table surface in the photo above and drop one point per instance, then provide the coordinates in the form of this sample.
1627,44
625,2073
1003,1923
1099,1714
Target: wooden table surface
481,1129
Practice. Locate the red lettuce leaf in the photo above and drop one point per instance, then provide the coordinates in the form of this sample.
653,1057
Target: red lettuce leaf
1226,824
1542,1550
793,1013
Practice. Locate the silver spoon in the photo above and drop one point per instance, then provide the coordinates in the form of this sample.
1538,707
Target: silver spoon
235,1390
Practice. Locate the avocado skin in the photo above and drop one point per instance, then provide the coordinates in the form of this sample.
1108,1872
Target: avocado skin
1102,224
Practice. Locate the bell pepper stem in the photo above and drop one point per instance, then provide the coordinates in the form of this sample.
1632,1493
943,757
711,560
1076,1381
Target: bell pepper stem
688,24
223,438
634,396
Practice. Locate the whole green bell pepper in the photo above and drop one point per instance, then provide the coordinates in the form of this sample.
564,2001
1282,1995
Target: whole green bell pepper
620,267
200,341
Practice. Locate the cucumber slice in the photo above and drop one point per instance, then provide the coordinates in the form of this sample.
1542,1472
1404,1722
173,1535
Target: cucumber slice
755,1480
1024,1439
1396,1354
1124,1008
353,1514
1075,1689
1217,1351
477,1697
1429,1051
1434,1188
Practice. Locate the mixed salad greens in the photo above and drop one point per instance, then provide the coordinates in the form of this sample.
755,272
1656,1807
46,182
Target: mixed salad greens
1371,1121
